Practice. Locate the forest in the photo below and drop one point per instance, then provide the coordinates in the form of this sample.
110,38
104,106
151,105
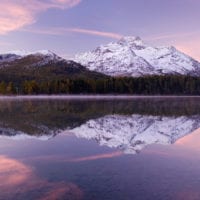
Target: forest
147,85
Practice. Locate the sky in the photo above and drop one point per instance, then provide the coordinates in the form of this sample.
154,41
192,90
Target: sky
67,27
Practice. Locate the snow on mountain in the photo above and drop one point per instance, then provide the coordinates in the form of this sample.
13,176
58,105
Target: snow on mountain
129,133
9,57
130,56
24,136
133,133
16,55
44,134
26,53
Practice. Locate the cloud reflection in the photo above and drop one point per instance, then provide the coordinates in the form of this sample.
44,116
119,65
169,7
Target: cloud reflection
191,141
97,157
12,172
19,179
188,194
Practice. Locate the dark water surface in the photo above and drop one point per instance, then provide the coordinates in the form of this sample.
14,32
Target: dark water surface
100,149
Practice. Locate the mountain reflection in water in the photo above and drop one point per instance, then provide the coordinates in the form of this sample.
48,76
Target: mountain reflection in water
82,149
128,125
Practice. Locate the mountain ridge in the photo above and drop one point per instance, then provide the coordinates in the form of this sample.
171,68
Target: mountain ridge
130,56
43,72
133,133
127,133
43,65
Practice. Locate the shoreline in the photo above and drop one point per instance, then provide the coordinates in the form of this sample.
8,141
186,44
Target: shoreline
92,96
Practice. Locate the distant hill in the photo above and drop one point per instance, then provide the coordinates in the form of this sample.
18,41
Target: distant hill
41,66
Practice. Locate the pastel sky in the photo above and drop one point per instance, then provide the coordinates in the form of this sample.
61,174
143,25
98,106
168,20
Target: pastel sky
67,27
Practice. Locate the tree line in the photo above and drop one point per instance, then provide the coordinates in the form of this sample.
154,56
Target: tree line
148,85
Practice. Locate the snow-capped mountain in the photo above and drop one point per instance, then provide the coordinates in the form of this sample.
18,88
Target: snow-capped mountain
133,133
9,57
42,133
23,53
42,56
129,133
130,56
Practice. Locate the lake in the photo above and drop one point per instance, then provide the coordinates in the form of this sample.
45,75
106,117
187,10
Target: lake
100,148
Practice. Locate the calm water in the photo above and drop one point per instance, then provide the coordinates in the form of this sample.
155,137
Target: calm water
103,149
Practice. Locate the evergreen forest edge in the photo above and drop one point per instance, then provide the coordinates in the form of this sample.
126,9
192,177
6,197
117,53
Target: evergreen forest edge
147,85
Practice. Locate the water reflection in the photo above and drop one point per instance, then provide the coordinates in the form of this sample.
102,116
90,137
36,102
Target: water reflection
12,172
133,133
129,125
96,157
85,141
191,141
17,178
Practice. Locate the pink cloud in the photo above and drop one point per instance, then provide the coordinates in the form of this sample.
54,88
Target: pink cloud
190,47
179,35
95,32
63,31
187,42
15,14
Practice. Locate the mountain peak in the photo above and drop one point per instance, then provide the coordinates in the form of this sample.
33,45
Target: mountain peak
23,53
44,55
129,56
131,41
